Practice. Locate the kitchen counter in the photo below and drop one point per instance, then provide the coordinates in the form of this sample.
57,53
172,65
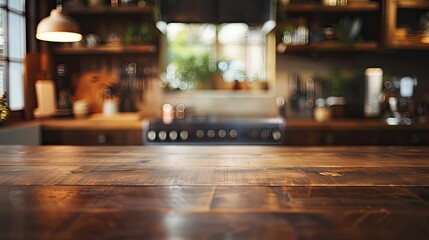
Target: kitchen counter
218,192
120,129
355,132
133,121
123,121
126,129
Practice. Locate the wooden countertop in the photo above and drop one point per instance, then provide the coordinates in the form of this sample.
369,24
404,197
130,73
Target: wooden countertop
123,121
214,192
134,121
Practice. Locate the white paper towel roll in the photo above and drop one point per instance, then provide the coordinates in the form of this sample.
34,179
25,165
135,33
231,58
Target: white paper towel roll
45,93
373,85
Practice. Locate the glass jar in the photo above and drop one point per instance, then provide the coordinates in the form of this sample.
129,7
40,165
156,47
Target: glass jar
322,112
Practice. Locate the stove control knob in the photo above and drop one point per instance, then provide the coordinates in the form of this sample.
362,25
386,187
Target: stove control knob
265,134
233,133
254,134
162,135
199,133
184,135
221,133
173,135
151,135
211,133
276,135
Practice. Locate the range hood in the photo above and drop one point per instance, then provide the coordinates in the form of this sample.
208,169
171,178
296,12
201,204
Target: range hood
251,12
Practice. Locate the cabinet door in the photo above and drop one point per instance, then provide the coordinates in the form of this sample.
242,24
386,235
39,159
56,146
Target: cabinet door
87,137
407,24
352,27
353,137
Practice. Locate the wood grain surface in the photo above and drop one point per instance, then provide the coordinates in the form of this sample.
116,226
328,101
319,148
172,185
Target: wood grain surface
214,192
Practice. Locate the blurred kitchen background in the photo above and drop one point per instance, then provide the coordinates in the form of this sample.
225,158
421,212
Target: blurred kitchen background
321,63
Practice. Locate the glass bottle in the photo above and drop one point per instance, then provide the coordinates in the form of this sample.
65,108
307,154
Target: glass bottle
302,32
391,90
342,2
322,112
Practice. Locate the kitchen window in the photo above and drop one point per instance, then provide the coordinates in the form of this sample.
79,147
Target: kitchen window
12,51
209,56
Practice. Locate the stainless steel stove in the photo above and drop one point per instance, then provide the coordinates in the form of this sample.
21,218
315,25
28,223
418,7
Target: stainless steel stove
214,130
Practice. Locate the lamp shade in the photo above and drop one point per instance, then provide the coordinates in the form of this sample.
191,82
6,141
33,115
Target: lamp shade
58,28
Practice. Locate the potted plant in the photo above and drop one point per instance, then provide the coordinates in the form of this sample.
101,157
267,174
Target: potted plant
336,99
4,110
111,99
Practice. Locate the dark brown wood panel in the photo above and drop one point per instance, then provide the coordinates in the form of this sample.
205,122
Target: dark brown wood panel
352,132
243,165
344,137
213,198
130,224
214,192
92,137
213,212
273,176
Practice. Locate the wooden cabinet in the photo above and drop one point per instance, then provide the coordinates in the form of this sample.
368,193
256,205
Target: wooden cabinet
332,137
386,24
331,27
91,137
117,29
405,23
354,132
124,129
112,36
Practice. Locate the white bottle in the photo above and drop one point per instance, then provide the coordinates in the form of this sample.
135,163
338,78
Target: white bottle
330,2
407,86
45,93
373,87
302,32
110,107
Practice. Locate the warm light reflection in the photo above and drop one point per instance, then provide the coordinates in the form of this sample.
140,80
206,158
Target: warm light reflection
59,36
58,28
233,33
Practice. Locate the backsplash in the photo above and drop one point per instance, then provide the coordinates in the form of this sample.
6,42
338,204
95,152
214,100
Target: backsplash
347,71
344,76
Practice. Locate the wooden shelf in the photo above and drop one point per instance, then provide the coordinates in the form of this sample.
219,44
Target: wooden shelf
328,46
410,45
135,49
411,42
109,10
317,7
414,4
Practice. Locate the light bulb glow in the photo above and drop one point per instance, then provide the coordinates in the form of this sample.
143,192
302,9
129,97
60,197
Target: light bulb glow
59,36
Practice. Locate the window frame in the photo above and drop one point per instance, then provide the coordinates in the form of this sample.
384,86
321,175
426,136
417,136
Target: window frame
5,57
269,71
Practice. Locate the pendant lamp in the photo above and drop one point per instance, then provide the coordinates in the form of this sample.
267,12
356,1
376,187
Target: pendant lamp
58,27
